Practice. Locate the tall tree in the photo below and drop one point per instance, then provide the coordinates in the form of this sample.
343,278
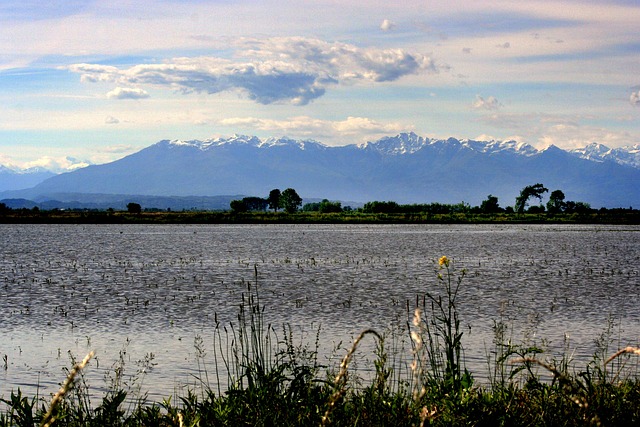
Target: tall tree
527,192
255,203
556,202
290,201
490,205
238,206
274,199
134,208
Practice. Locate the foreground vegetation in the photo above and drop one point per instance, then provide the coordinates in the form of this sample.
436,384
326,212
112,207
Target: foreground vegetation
272,381
603,216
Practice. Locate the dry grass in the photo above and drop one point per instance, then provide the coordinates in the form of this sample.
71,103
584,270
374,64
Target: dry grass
626,350
49,417
340,380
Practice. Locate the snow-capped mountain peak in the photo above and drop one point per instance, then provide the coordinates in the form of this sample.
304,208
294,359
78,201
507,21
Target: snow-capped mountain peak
244,140
494,146
403,143
284,141
628,155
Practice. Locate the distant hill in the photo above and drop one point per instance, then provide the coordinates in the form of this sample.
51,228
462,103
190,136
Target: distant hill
120,201
11,179
405,168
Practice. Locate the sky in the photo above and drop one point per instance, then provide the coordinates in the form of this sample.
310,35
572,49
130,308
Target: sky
93,81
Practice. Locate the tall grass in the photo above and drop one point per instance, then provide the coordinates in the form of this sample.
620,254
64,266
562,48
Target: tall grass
260,375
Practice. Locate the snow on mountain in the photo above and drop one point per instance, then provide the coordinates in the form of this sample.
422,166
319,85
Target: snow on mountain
404,143
244,140
15,179
406,168
628,155
288,142
410,143
521,148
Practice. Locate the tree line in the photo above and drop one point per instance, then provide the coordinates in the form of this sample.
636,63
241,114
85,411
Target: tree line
289,201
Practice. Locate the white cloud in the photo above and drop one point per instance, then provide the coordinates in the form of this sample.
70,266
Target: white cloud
491,103
485,137
94,72
295,70
304,126
387,25
578,136
56,164
110,120
127,93
634,98
363,125
118,149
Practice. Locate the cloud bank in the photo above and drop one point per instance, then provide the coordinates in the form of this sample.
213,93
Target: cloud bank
277,70
127,93
387,25
308,126
491,103
634,98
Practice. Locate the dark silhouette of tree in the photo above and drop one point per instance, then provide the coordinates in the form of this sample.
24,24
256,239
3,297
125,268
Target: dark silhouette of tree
238,206
134,208
490,205
381,207
536,209
577,207
556,202
255,203
290,201
330,207
527,192
325,206
274,199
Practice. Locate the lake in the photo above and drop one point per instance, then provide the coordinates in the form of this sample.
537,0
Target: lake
148,293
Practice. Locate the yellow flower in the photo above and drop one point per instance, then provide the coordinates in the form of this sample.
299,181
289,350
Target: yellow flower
444,261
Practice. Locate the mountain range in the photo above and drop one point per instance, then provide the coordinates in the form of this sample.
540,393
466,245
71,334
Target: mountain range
405,168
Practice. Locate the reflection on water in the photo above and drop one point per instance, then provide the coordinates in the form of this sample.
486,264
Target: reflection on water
141,289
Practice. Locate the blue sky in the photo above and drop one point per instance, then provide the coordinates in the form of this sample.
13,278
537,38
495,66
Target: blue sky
93,81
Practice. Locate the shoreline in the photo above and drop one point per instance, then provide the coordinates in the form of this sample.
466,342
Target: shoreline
618,217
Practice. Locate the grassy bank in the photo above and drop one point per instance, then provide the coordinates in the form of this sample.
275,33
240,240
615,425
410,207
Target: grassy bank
259,375
618,216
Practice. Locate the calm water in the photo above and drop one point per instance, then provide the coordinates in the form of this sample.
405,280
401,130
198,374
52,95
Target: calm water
152,289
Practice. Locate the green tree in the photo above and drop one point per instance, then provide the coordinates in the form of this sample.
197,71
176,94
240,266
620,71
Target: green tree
527,192
134,208
330,207
381,207
274,199
556,202
311,207
238,206
577,207
255,203
290,201
490,205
